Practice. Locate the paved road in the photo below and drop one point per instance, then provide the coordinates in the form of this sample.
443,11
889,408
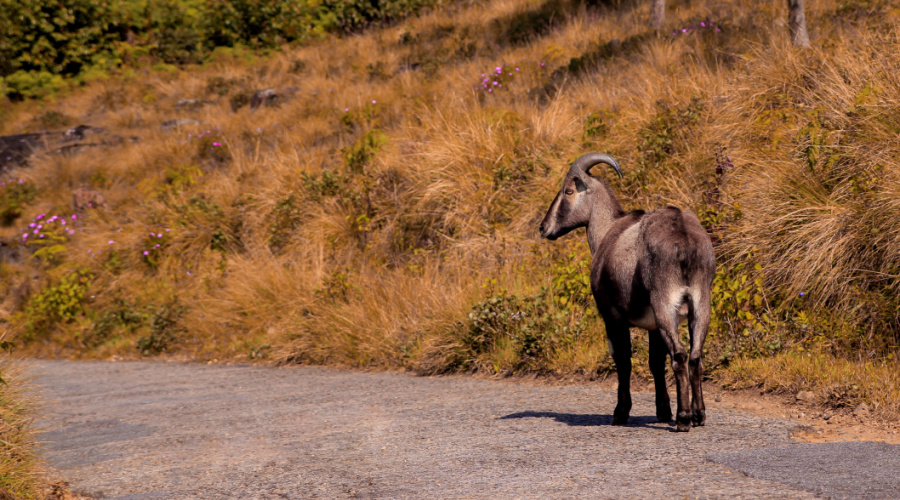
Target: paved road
145,430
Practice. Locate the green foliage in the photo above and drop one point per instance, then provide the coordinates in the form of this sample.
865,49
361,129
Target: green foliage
532,327
164,330
820,143
177,178
257,23
516,333
743,322
42,40
59,302
347,15
357,156
14,196
285,217
368,116
661,137
54,37
318,186
33,84
120,317
336,287
596,127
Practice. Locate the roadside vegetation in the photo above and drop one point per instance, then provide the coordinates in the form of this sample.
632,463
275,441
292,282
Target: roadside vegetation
384,213
19,468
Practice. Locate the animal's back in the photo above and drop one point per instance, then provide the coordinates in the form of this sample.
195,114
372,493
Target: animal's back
679,251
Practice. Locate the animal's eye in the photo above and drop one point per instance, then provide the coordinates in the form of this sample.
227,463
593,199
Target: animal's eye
569,191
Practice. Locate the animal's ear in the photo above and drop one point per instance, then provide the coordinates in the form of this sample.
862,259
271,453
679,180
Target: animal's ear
580,185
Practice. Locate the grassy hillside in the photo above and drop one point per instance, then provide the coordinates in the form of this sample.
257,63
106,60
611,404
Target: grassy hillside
385,214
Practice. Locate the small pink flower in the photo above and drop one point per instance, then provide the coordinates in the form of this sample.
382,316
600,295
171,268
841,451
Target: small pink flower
146,252
110,242
374,101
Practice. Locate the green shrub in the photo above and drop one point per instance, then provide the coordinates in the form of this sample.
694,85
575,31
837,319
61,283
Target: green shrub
55,37
256,23
357,156
121,316
164,330
60,302
33,84
347,15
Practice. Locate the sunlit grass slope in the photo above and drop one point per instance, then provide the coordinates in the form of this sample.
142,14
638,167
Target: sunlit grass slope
386,214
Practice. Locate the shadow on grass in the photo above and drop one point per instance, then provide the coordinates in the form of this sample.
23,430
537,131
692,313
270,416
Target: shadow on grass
525,26
587,420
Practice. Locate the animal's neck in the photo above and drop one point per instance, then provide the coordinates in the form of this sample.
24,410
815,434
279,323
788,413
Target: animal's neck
602,217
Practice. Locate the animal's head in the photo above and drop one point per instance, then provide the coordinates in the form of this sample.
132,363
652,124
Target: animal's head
580,191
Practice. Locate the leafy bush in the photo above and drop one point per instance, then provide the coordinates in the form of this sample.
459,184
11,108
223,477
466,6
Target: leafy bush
257,23
33,84
164,330
357,156
53,37
347,15
60,302
122,315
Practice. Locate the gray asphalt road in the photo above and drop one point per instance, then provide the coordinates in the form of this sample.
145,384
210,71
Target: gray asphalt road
144,430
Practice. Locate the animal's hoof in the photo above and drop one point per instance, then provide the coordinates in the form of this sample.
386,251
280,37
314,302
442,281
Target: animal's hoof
683,422
620,417
664,414
699,418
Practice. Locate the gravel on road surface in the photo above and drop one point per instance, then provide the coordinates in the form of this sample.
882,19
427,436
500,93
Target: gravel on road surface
146,430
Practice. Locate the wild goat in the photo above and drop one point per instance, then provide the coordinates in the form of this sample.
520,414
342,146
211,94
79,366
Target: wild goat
650,270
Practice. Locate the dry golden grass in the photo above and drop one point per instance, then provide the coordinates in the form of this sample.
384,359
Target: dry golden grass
296,242
19,469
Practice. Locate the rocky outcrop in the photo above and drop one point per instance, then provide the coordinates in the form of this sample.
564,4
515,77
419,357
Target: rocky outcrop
16,150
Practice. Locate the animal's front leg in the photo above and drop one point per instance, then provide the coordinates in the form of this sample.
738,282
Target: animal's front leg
620,343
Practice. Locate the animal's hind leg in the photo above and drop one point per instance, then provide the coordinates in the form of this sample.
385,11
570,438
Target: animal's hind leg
668,326
620,343
658,353
698,323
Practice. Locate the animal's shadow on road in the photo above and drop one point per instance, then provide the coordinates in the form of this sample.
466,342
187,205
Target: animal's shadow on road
587,420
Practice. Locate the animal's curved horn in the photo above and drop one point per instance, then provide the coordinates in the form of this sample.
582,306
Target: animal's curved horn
586,161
